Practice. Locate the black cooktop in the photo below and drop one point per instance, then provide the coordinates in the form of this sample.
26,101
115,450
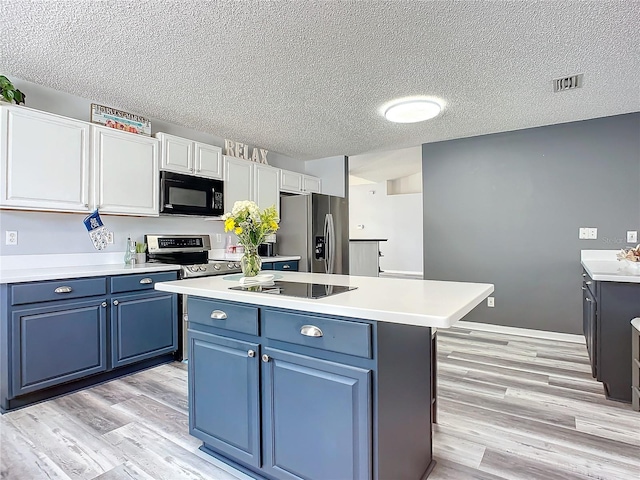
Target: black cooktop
294,289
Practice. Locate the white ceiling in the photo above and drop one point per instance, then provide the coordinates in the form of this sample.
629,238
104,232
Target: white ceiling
381,166
307,78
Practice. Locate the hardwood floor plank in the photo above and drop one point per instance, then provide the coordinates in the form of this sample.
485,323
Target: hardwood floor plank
461,451
449,470
92,410
515,467
502,371
125,471
455,384
465,337
626,432
21,459
79,454
161,458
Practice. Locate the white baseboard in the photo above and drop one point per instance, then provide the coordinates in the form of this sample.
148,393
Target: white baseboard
523,332
401,272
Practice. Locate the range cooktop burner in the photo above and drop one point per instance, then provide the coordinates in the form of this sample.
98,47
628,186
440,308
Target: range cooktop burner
295,289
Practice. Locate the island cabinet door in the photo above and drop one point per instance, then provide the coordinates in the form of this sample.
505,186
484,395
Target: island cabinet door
143,325
224,407
316,418
56,344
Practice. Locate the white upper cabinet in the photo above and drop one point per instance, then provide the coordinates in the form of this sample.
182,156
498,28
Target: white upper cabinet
208,160
245,180
182,155
176,153
266,186
290,181
311,184
126,174
294,182
238,181
44,160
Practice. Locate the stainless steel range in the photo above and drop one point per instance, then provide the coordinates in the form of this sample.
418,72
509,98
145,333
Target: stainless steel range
191,252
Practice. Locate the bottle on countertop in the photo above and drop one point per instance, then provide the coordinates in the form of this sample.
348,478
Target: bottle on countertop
129,251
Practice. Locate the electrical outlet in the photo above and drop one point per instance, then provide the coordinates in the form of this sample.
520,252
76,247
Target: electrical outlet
491,302
593,233
11,237
110,238
632,236
583,234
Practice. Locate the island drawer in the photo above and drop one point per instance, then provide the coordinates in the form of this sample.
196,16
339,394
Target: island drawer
142,281
220,314
343,336
57,290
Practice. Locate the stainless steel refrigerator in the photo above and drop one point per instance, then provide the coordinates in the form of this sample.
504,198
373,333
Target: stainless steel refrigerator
316,227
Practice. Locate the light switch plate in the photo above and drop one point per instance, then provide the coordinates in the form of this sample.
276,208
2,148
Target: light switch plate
632,236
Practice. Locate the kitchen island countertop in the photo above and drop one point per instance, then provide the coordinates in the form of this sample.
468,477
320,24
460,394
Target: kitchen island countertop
424,303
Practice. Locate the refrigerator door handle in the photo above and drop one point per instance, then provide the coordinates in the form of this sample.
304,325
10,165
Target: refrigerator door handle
331,241
327,251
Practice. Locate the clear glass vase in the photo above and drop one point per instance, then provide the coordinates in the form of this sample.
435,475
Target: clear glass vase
251,263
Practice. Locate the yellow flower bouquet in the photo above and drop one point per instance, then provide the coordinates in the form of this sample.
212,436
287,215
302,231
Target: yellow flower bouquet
251,225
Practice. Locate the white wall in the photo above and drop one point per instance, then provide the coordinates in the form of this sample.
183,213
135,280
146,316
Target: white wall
332,171
397,218
50,232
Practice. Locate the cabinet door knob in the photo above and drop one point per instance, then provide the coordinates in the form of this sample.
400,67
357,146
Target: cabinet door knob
588,299
63,290
584,274
588,283
584,288
251,353
311,331
116,302
266,358
104,304
146,281
218,315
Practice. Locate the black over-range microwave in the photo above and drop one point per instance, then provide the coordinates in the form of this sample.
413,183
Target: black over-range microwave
188,195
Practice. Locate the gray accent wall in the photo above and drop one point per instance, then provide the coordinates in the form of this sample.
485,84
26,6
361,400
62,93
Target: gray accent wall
506,209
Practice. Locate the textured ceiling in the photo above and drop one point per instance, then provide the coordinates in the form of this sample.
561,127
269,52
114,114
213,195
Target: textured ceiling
307,78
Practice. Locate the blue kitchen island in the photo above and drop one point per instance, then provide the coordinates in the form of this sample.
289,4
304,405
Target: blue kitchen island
337,387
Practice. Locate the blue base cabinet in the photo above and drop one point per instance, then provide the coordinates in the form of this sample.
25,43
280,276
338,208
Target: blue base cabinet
143,326
353,403
224,403
60,335
315,410
53,345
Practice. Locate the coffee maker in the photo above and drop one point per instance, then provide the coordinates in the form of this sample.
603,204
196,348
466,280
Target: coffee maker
268,248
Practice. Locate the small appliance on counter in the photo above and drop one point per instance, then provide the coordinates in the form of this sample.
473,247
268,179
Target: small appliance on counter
268,248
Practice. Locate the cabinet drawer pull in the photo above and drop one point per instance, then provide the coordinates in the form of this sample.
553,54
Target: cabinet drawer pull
146,281
63,290
311,331
286,267
218,315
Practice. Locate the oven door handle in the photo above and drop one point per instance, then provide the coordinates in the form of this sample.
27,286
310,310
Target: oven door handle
218,315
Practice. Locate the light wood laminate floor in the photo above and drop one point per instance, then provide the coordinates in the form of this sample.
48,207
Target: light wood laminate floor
509,408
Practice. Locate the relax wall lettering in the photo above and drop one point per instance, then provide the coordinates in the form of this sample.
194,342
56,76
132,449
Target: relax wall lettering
240,150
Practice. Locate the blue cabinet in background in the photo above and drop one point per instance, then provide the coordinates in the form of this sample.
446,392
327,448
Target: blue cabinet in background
291,266
57,336
57,344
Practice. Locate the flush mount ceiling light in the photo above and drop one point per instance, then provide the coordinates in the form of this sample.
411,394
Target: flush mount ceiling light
411,110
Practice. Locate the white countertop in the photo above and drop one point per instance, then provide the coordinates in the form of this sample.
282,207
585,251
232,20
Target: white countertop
32,268
602,265
424,303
